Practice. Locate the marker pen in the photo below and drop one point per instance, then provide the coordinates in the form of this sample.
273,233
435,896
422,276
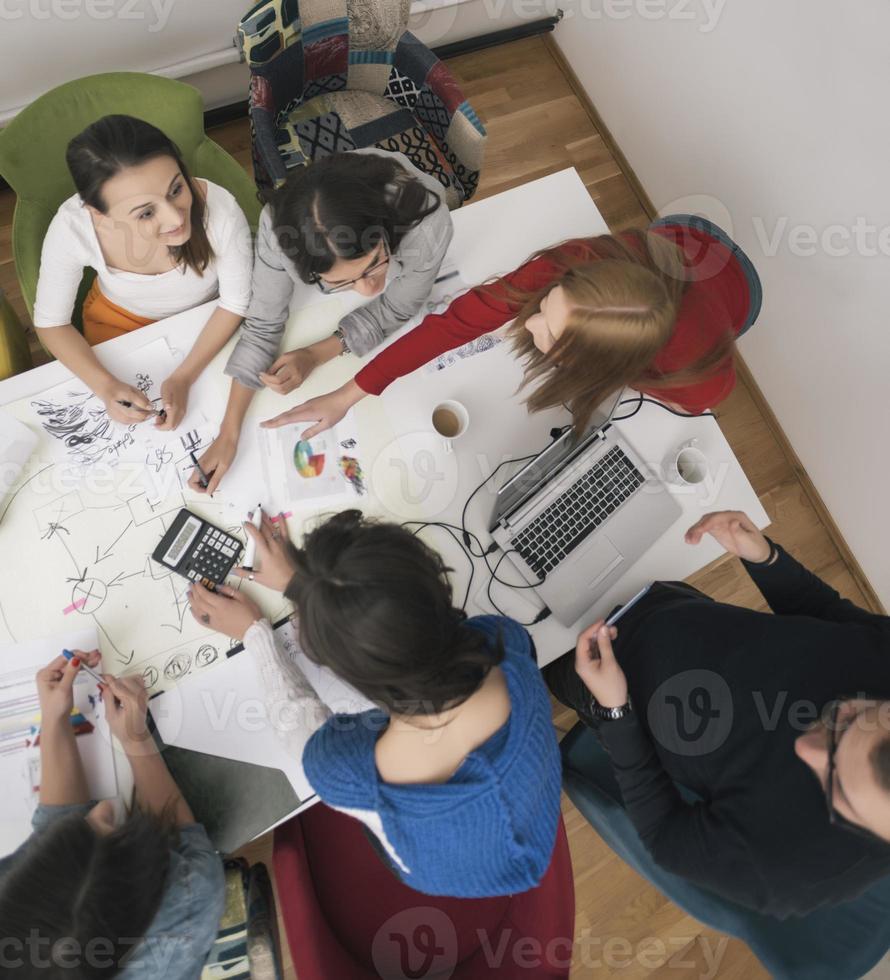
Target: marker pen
250,550
68,655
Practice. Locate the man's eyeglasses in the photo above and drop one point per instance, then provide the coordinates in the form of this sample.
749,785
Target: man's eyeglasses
834,818
367,274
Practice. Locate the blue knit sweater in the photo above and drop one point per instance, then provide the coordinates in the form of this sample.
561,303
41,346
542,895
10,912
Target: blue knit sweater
490,829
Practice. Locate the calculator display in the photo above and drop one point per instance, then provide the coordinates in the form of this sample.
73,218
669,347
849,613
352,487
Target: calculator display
197,550
183,540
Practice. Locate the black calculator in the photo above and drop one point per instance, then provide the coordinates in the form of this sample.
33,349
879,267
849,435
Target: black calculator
197,550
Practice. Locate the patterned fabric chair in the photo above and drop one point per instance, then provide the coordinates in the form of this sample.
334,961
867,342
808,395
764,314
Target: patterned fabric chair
335,75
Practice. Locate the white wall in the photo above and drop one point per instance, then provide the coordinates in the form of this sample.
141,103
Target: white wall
46,42
771,119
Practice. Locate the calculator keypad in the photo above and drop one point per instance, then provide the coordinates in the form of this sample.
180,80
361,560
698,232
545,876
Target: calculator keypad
212,555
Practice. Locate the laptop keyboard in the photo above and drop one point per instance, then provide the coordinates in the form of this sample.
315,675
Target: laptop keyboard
580,509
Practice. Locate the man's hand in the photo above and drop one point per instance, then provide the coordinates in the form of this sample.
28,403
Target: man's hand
735,532
214,462
596,665
290,370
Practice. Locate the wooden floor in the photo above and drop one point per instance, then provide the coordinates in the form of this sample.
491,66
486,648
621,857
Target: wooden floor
537,125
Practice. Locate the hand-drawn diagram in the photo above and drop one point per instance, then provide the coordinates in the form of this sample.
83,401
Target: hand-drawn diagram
206,655
83,433
169,466
88,554
470,349
77,418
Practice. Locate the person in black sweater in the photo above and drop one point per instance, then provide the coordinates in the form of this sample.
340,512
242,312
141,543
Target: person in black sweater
779,725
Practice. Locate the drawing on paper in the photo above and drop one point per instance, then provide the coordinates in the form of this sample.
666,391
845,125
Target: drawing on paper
206,655
177,666
78,420
308,463
297,470
79,426
20,731
351,468
470,349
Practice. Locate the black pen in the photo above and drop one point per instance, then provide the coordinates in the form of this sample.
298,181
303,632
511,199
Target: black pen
205,480
139,408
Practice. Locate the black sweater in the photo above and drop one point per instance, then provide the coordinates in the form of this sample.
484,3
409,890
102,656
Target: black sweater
720,694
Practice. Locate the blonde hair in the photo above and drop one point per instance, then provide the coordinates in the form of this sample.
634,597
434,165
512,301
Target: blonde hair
624,297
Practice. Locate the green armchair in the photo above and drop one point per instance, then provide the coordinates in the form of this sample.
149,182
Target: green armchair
15,356
32,153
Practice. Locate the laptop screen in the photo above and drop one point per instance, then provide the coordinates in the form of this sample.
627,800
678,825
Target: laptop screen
547,463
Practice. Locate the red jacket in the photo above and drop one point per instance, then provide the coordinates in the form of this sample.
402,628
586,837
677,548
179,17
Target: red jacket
716,300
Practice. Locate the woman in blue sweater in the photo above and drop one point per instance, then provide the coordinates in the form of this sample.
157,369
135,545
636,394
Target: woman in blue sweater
457,772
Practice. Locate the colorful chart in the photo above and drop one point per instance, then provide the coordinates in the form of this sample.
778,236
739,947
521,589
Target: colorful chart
308,463
351,468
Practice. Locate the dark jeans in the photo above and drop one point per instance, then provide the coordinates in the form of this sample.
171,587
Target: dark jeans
561,676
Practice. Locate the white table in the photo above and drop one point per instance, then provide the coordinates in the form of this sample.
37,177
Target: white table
491,237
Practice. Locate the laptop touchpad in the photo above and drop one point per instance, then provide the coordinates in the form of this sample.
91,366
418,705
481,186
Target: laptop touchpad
601,558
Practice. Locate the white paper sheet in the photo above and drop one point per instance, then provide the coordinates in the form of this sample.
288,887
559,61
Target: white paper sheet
17,443
224,713
80,430
282,471
19,717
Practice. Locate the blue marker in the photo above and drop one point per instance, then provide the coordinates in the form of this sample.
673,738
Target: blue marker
68,655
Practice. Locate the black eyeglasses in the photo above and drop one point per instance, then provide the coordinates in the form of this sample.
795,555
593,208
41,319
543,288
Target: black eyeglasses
834,818
343,286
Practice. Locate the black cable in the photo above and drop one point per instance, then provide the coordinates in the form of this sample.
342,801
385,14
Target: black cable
468,538
543,613
641,399
494,472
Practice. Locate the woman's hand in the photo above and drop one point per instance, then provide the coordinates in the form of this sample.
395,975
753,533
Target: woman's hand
225,611
290,370
326,410
126,705
214,462
116,392
596,665
174,399
735,532
275,565
55,685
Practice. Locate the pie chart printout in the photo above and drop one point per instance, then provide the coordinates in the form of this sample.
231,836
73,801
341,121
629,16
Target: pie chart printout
309,464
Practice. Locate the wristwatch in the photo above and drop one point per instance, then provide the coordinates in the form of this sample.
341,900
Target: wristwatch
609,714
338,333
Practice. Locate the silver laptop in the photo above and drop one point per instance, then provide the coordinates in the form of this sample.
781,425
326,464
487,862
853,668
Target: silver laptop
575,518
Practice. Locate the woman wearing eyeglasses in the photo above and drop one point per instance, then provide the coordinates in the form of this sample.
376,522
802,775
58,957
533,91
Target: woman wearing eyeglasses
367,221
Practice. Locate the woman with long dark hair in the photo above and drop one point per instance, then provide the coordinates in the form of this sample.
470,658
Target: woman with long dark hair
160,241
367,221
658,310
88,895
456,772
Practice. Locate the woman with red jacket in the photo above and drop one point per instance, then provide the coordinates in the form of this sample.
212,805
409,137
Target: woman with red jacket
658,310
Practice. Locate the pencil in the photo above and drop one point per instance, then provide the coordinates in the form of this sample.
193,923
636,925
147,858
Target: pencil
205,480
